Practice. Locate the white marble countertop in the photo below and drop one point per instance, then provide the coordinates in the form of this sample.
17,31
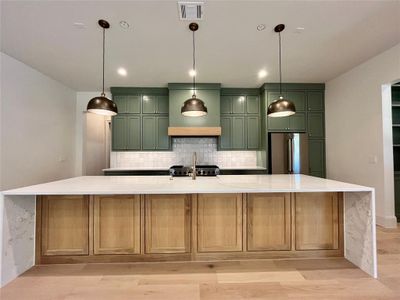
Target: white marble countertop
167,168
96,185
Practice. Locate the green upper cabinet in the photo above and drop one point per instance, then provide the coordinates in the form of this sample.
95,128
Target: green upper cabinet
253,104
298,98
142,122
316,157
315,101
240,119
316,125
155,104
127,104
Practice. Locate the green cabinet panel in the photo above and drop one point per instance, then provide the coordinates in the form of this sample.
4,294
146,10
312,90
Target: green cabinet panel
225,140
316,157
149,104
226,104
155,104
316,125
315,101
163,140
297,122
238,133
253,104
149,133
298,98
238,104
397,194
162,105
119,133
133,132
127,104
253,132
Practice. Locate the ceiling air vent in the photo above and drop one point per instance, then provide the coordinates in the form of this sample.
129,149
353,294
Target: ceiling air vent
190,11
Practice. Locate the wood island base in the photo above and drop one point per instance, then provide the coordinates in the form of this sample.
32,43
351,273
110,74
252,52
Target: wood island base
188,227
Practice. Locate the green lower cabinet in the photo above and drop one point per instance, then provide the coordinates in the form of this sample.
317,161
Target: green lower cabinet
316,157
397,195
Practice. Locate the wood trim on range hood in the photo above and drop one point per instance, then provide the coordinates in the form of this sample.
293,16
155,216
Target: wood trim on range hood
194,131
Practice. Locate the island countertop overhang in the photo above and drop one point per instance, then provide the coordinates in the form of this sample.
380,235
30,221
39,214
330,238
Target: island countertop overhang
101,185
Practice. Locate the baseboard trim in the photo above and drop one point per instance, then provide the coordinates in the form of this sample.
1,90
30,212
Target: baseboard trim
386,222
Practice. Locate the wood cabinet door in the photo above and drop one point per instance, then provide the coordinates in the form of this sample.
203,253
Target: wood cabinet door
317,221
116,222
167,223
268,221
65,224
219,222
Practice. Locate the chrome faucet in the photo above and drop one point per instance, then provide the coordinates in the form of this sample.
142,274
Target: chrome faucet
193,173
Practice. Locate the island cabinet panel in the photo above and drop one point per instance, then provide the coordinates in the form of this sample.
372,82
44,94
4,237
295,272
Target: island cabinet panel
167,223
116,224
268,222
65,225
219,222
317,221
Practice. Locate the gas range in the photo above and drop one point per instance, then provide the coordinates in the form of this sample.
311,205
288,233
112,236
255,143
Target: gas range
201,170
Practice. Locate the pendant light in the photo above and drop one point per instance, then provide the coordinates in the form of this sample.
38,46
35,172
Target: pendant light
102,105
281,107
194,107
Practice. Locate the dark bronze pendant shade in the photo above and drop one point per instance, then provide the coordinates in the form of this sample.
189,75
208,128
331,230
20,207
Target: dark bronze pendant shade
280,107
194,107
102,105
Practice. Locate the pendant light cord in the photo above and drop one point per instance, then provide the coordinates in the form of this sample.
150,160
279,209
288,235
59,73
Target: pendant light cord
194,66
104,50
280,65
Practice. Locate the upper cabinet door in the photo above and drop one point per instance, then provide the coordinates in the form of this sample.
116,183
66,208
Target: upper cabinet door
119,132
225,140
238,133
127,104
316,125
298,98
253,104
253,132
162,105
238,104
149,104
149,133
163,140
133,132
297,122
226,104
316,101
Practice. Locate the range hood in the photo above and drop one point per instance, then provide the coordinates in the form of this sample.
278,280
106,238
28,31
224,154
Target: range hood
208,125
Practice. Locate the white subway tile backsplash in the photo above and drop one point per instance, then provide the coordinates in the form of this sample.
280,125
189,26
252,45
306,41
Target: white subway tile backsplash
181,154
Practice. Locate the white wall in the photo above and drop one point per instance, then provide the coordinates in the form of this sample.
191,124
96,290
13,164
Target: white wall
358,129
87,136
37,126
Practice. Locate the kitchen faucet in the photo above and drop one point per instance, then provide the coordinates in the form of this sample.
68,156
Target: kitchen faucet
193,174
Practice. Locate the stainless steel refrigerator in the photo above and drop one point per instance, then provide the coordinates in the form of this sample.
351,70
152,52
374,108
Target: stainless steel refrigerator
288,153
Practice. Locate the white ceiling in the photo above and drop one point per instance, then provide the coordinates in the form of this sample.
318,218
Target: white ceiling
156,49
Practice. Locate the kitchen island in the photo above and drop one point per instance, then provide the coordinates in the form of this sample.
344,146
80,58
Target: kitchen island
154,218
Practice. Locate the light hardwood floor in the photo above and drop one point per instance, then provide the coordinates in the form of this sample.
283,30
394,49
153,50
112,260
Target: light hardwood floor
333,278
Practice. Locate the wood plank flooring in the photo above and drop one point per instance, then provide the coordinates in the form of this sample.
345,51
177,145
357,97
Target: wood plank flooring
332,278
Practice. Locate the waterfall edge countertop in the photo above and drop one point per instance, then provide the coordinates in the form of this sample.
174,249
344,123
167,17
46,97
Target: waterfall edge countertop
103,185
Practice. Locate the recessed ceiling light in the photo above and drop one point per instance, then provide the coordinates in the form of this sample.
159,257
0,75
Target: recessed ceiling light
299,29
79,25
192,73
261,27
122,72
262,73
124,24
